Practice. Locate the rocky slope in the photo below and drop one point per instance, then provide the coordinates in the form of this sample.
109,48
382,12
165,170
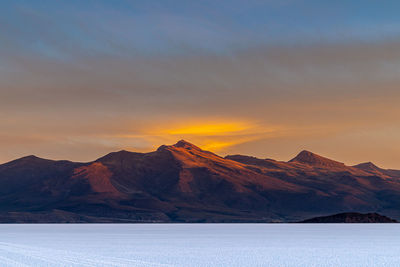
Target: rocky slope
183,183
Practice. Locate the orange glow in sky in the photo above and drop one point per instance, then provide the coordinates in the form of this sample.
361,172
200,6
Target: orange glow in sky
209,129
215,136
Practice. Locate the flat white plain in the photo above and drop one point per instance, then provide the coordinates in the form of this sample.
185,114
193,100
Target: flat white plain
200,245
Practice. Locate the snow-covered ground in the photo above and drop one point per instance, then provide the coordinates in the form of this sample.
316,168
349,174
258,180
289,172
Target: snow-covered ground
200,245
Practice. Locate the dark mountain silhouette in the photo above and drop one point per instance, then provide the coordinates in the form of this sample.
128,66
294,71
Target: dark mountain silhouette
351,217
183,183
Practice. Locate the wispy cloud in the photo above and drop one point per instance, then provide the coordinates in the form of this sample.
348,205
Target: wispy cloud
79,79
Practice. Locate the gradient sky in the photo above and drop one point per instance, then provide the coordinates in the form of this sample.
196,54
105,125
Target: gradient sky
79,79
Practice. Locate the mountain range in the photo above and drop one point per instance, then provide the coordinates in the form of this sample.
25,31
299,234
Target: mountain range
183,183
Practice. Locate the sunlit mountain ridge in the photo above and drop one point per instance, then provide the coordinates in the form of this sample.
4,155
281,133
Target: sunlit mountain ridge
184,183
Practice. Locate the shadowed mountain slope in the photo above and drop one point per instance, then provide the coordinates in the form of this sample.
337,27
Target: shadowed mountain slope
375,170
183,183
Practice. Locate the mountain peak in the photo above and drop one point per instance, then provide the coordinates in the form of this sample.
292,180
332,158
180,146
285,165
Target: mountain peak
185,144
32,158
180,144
309,158
306,156
368,166
28,160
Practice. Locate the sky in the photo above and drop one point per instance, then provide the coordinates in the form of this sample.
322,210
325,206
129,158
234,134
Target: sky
79,79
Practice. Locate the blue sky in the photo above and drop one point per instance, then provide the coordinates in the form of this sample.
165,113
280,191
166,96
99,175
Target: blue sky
56,27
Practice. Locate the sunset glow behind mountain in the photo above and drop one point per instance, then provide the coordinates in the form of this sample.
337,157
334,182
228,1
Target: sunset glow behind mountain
79,79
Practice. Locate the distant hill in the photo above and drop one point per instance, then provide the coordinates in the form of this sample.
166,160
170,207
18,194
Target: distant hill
309,158
183,183
352,217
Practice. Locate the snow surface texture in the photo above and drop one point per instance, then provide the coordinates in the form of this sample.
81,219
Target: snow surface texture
200,245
